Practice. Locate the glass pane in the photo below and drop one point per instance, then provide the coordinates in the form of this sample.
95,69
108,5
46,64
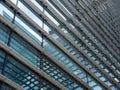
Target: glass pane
30,14
28,29
23,76
25,49
4,35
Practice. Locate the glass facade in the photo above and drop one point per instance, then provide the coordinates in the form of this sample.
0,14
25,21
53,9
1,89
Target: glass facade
20,74
4,86
71,41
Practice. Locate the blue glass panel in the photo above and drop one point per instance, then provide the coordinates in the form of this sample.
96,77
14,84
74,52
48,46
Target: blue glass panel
25,77
25,27
20,74
2,57
25,49
4,35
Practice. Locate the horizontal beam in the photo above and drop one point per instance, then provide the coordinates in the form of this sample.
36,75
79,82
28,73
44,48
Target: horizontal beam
11,83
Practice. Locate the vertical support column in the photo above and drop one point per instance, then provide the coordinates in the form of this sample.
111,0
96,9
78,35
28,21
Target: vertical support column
8,43
41,55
